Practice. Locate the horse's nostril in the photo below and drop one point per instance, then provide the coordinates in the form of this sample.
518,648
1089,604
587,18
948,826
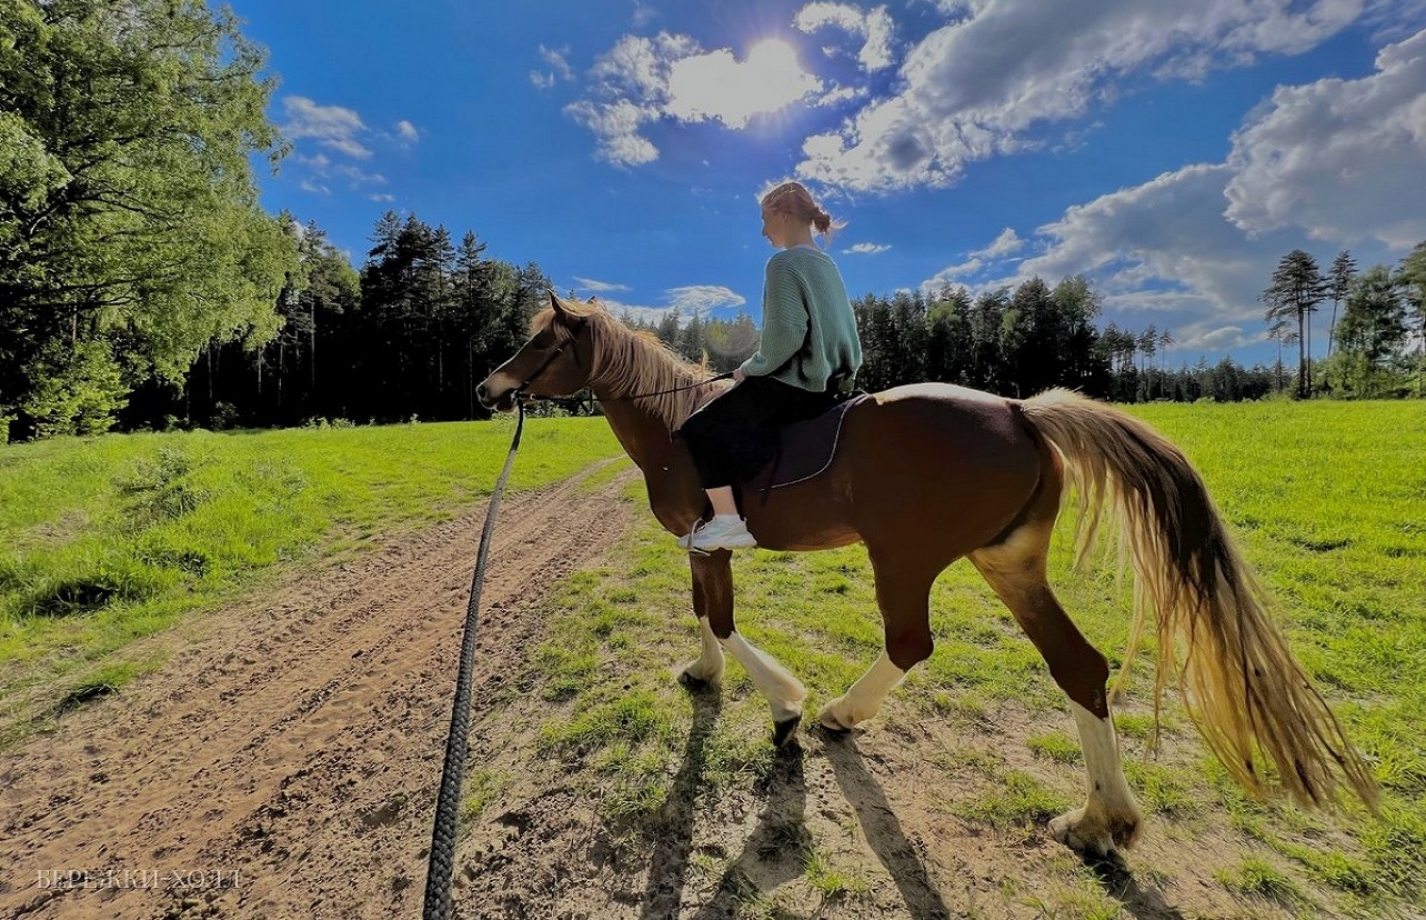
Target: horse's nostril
482,394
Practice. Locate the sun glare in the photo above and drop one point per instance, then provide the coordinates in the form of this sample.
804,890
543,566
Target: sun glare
717,86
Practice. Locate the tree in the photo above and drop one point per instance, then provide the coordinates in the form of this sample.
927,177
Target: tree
130,231
1281,331
1297,288
1339,285
1373,330
1411,275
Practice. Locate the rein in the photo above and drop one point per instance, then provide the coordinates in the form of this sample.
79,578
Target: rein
692,386
447,824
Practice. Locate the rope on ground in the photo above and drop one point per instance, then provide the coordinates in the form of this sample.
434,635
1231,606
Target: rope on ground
447,823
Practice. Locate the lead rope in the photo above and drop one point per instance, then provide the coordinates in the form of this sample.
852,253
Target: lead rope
447,823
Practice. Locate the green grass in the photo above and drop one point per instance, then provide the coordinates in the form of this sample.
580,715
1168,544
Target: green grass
106,540
1258,878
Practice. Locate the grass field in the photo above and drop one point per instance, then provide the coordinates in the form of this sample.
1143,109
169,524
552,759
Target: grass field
106,540
1329,501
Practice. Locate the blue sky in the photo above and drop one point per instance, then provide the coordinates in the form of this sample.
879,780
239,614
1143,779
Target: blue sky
1171,152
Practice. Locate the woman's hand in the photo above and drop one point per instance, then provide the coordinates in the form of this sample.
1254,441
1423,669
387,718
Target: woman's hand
737,375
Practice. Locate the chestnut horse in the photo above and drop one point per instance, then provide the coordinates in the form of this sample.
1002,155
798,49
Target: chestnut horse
927,474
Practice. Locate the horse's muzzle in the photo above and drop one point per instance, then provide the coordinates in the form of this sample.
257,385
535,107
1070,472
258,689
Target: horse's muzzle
502,401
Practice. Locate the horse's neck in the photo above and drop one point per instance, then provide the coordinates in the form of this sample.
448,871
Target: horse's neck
645,436
643,423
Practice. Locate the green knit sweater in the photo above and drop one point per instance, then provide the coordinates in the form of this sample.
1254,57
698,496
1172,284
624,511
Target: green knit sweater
800,283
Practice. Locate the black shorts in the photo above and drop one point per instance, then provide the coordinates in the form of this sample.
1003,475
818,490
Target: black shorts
735,435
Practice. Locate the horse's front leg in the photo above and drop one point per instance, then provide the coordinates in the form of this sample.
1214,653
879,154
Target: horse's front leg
707,668
713,602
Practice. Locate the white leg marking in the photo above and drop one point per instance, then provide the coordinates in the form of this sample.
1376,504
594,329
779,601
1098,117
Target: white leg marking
1101,757
784,692
1110,817
708,666
864,698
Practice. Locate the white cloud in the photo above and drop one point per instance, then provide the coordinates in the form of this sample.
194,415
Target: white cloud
599,287
1159,249
876,28
1171,228
1342,159
718,86
557,62
987,83
559,68
382,196
1005,244
407,131
867,248
330,125
358,176
700,298
951,272
691,300
616,127
642,81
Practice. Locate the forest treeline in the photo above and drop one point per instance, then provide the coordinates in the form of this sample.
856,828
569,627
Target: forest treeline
143,286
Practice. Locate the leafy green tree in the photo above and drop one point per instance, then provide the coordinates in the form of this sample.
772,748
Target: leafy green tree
1373,331
1296,290
1412,277
129,219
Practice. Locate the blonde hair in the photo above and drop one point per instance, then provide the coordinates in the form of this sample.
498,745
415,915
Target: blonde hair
793,198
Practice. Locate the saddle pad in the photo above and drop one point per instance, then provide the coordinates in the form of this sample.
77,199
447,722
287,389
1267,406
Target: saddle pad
806,449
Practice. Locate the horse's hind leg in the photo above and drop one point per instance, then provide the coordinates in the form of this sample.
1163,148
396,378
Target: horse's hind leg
1110,818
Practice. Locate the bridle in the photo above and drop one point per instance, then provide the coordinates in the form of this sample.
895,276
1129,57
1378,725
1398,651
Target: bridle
550,359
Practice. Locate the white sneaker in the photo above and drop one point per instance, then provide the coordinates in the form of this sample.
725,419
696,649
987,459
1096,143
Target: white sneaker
723,532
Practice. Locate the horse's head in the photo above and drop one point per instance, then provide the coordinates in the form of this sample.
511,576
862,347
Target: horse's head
556,361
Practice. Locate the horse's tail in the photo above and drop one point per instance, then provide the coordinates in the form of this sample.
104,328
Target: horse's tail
1240,684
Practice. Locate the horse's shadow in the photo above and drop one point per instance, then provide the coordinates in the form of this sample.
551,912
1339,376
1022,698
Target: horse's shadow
663,893
774,853
1119,883
883,829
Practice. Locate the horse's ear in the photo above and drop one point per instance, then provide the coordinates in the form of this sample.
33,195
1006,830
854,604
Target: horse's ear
557,305
594,302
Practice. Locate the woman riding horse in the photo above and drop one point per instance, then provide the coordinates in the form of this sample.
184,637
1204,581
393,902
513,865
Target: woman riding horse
809,347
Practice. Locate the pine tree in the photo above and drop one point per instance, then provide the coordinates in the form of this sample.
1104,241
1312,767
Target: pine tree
1297,288
1339,285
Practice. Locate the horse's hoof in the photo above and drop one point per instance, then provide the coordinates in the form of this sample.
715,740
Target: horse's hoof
827,717
785,730
693,684
1096,837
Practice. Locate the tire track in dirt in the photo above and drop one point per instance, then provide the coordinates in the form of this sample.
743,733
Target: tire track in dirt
296,750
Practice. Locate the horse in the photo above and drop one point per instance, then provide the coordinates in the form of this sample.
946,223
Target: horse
929,473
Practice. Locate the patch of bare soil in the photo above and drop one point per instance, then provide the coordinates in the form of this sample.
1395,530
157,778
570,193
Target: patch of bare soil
285,766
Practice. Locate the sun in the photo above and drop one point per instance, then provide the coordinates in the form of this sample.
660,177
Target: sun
717,86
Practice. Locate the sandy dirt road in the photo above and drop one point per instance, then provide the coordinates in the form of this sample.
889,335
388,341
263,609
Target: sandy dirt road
285,764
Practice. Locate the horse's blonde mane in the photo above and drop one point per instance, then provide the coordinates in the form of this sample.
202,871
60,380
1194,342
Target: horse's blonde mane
630,362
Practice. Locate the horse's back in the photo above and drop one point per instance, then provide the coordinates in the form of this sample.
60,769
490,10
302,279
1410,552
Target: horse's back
943,455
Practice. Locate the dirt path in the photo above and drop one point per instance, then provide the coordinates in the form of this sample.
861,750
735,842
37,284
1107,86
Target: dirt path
286,764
